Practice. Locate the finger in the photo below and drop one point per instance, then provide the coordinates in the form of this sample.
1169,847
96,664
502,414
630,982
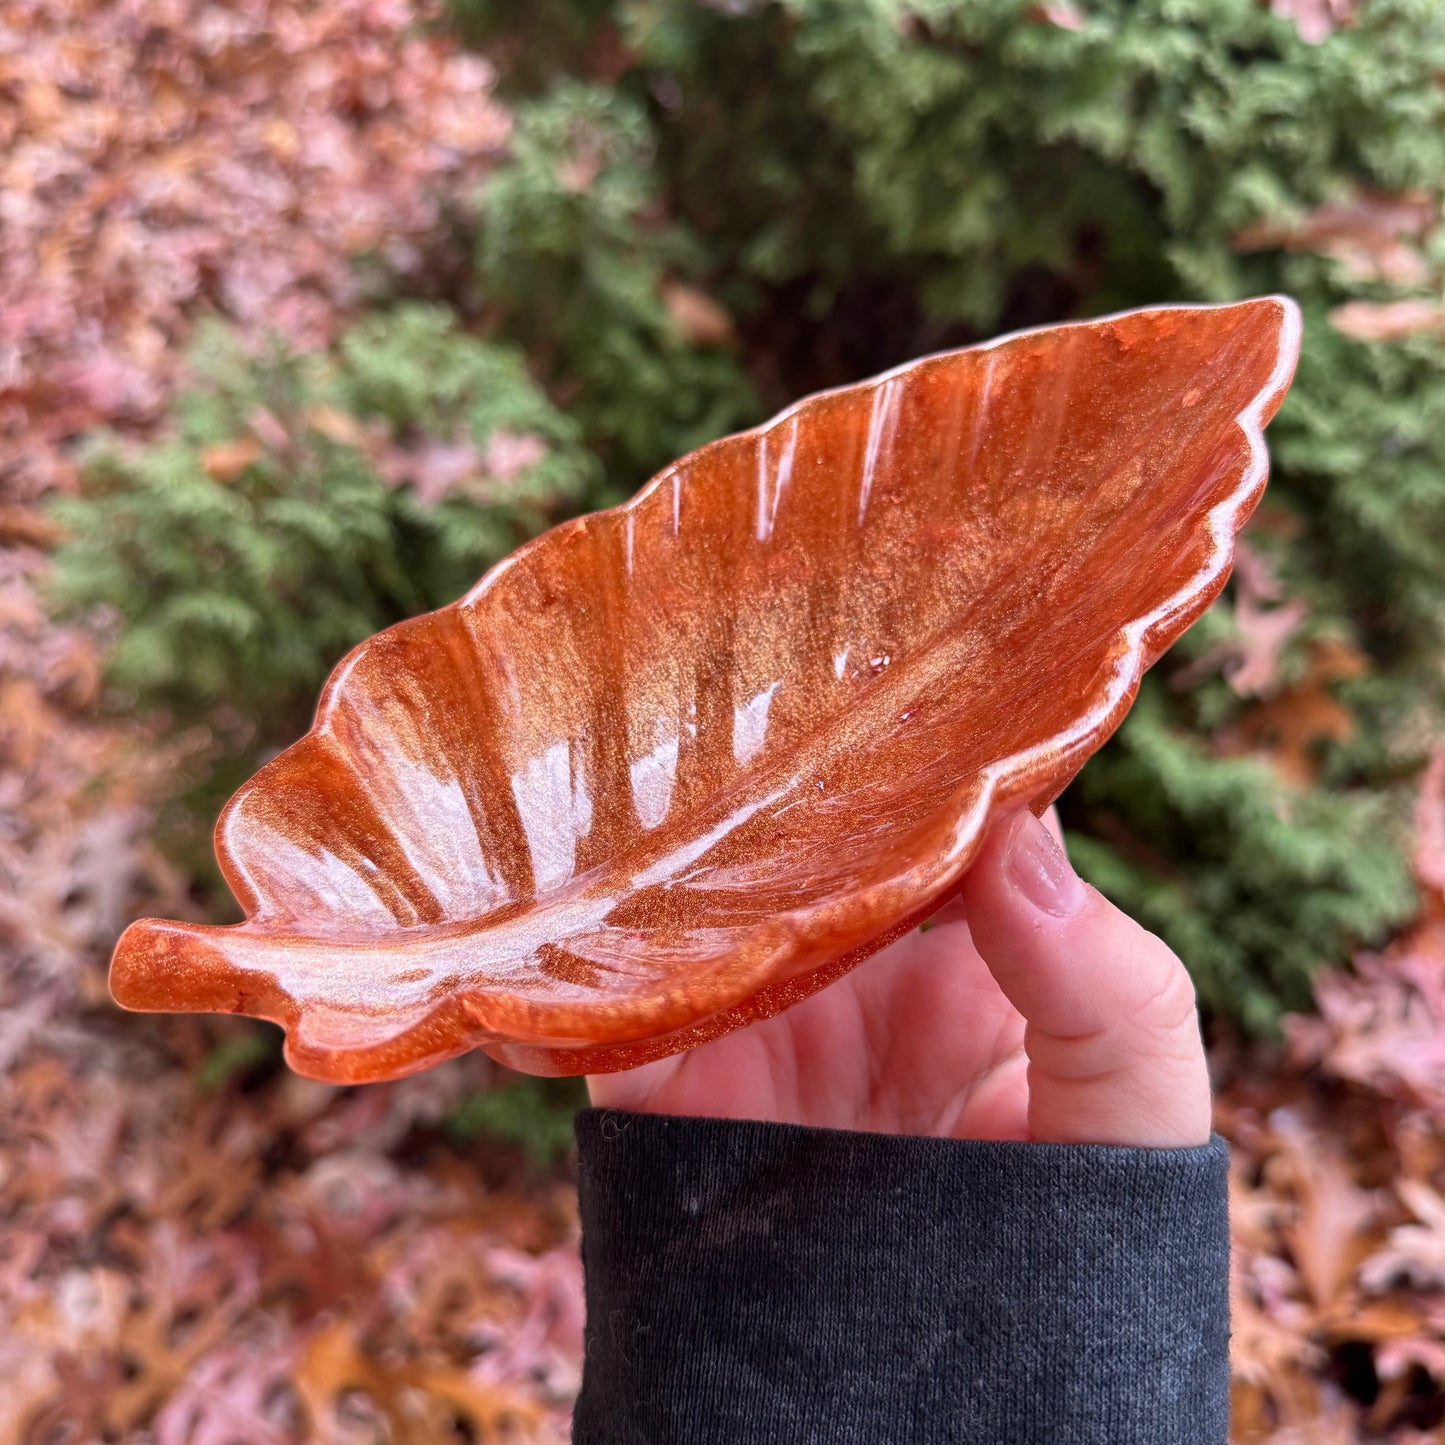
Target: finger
1115,1054
954,912
633,1089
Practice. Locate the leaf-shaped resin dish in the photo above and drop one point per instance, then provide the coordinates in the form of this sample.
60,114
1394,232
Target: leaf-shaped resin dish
671,768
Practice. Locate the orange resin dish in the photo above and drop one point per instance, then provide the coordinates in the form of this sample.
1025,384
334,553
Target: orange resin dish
673,767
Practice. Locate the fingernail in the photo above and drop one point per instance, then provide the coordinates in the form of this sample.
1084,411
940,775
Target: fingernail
1039,870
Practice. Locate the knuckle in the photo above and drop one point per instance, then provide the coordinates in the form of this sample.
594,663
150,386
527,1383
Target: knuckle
1170,1001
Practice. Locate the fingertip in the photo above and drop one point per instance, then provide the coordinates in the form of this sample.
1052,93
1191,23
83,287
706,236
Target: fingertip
1113,1036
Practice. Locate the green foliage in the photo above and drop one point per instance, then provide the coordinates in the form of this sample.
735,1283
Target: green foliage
576,255
240,1056
863,182
535,1113
241,557
1251,882
1360,459
978,154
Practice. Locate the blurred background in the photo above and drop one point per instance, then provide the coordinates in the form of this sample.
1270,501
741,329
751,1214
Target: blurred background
310,310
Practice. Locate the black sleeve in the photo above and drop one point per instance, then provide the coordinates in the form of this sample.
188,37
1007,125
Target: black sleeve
752,1282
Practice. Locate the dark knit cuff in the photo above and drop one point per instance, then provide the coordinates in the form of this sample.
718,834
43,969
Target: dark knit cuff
751,1282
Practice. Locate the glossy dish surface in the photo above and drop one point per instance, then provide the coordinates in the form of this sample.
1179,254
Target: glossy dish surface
671,768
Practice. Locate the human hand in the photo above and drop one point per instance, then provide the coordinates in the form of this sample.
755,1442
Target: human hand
1031,1009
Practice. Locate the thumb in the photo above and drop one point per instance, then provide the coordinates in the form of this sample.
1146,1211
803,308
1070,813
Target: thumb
1112,1037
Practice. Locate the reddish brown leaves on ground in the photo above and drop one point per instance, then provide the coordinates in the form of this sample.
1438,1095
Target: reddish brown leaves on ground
1338,1178
162,158
265,1267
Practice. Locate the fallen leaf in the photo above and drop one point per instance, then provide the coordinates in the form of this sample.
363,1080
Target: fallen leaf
1374,235
430,467
232,1396
697,317
1288,727
509,454
1316,20
1413,1253
415,1401
337,426
1387,320
1331,1228
1264,626
1065,16
29,527
1429,850
225,461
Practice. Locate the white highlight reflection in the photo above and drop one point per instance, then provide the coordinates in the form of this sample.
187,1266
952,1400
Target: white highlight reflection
750,725
882,427
556,810
772,483
653,776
